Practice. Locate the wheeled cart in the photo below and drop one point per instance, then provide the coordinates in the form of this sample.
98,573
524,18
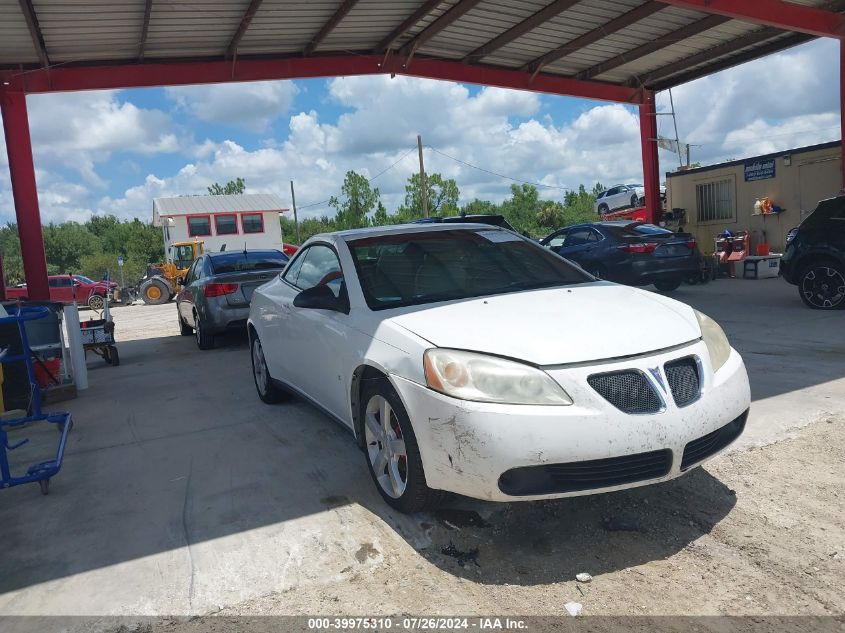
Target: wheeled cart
18,351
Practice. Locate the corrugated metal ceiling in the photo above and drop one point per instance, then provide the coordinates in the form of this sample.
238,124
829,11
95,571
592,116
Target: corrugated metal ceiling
86,31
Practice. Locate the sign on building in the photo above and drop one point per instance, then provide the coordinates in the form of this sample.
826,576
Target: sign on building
759,169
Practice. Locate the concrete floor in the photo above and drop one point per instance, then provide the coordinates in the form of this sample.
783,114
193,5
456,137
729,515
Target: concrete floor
181,493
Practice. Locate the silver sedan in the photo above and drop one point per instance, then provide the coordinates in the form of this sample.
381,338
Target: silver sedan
217,289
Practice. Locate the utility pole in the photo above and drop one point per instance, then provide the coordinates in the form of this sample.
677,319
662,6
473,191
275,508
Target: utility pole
423,187
295,220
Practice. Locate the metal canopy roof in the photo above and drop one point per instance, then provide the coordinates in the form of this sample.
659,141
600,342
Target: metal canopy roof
630,43
234,203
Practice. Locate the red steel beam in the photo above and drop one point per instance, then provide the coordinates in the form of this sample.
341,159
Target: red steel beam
330,26
654,45
34,31
72,78
842,104
424,9
246,20
651,163
779,14
591,37
25,193
449,17
145,28
528,24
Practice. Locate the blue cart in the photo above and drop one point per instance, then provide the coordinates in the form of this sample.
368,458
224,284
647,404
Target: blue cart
20,351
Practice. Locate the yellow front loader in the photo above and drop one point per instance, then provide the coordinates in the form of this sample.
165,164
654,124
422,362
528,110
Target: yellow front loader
161,283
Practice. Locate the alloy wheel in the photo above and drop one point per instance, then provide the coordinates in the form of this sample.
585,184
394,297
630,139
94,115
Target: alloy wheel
386,447
96,302
823,287
259,367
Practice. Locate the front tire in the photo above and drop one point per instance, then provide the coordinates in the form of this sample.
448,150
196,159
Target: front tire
667,285
96,302
205,340
603,208
267,390
822,286
391,450
155,292
635,200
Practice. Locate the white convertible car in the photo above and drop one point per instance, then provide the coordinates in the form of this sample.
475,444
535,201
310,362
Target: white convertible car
466,358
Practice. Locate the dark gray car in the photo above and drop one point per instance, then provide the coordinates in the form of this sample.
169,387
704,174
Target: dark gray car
217,289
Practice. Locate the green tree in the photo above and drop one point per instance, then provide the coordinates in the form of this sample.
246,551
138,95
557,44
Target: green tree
236,186
356,202
551,215
65,244
479,207
443,194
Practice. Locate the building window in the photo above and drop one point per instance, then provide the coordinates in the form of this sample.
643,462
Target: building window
252,222
714,201
226,224
199,225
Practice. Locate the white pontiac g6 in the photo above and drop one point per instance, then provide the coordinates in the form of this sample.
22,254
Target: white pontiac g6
465,358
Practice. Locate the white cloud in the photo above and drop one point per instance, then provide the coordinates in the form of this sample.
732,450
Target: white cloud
252,106
736,113
784,101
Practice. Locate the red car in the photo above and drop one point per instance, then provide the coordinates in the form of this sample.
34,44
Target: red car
64,288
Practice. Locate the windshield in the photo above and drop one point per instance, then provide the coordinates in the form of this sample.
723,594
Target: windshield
83,279
183,255
418,268
244,261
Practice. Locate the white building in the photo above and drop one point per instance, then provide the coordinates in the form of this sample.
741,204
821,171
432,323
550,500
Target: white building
236,221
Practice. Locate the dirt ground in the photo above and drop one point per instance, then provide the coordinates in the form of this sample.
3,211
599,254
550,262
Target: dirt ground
740,536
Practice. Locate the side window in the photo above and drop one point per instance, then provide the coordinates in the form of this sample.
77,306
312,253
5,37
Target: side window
576,237
292,271
594,236
320,267
557,241
614,191
191,276
64,282
53,282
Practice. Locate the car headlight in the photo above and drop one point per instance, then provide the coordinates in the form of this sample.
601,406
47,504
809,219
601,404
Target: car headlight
715,340
471,376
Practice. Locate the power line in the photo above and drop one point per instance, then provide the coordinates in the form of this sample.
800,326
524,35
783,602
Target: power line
383,171
493,173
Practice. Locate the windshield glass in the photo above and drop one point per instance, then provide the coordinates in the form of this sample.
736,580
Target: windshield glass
83,279
244,261
418,268
183,255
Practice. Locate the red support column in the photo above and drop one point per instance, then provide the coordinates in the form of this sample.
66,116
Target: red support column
24,192
651,165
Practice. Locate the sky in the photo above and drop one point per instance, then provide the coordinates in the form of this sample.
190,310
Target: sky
112,152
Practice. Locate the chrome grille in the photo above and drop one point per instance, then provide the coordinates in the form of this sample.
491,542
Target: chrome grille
684,381
628,391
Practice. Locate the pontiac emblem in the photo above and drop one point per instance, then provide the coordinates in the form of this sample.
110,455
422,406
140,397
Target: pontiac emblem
655,371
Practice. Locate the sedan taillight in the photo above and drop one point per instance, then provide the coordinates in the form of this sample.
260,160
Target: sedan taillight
219,290
691,244
639,247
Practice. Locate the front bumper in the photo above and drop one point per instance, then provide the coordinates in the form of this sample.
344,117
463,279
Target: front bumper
467,447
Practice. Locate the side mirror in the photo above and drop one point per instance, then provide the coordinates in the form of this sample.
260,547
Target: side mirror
321,298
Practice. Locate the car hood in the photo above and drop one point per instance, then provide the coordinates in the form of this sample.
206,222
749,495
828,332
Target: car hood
574,324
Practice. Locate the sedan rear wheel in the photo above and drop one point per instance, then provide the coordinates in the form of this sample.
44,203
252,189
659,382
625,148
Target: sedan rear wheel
205,340
392,453
667,285
822,286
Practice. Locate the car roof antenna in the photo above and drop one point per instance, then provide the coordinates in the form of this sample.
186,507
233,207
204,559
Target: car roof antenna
223,248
